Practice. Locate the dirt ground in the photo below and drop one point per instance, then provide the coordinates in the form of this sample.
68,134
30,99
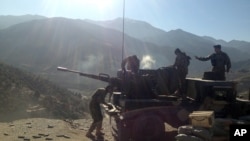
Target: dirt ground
43,129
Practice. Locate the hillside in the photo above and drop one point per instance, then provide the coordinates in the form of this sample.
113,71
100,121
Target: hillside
33,108
31,103
96,47
9,20
23,95
70,43
243,78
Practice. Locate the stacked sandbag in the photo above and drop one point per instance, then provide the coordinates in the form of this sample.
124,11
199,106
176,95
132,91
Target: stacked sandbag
221,126
219,131
192,133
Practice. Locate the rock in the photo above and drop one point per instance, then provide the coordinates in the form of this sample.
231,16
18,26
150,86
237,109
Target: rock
50,126
29,126
64,136
44,135
36,137
21,137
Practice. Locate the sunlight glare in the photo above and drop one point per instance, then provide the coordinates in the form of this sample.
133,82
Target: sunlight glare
94,8
99,4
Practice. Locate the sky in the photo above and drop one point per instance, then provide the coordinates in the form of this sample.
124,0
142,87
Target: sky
221,19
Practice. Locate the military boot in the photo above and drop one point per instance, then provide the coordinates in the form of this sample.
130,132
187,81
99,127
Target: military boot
98,129
91,129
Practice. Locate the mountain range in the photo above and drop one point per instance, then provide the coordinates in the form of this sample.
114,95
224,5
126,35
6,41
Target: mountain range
39,44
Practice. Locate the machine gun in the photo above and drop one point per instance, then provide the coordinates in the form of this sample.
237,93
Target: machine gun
113,81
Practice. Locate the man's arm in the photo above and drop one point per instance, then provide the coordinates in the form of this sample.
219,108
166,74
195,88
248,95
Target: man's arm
102,100
107,105
123,64
204,58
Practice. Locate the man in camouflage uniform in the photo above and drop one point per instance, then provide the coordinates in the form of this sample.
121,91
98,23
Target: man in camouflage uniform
219,60
95,110
181,64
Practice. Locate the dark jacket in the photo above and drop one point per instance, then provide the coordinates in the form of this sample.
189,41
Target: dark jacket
182,62
219,61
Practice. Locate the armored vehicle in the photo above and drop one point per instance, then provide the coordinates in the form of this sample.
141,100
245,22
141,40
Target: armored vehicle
146,118
144,105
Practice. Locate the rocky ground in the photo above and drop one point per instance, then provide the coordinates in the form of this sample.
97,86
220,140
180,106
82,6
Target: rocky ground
43,129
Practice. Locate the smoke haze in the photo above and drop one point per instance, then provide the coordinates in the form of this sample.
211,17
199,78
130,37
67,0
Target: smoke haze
147,62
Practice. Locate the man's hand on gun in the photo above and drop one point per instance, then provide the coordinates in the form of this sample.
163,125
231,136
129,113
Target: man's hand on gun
108,106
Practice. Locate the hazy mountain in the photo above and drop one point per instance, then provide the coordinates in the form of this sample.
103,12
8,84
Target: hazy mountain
243,65
222,42
240,45
8,20
43,44
134,28
191,43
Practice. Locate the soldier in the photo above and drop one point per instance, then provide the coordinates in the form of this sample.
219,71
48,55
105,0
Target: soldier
95,110
182,62
136,86
132,63
219,60
130,68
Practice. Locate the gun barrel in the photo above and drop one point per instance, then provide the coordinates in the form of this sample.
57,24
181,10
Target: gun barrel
101,76
62,68
67,70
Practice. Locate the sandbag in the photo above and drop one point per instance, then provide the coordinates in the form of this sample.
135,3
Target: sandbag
202,133
184,137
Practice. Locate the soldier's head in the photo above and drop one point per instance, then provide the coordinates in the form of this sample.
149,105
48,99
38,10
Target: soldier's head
133,63
109,88
177,51
217,48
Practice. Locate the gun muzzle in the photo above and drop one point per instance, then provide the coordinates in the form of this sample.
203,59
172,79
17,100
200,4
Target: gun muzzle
62,69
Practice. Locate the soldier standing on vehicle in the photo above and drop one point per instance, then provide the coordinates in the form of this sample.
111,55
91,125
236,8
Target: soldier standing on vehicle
135,86
130,68
132,63
219,60
95,110
182,62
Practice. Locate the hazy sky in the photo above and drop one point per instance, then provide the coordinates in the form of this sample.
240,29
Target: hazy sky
221,19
